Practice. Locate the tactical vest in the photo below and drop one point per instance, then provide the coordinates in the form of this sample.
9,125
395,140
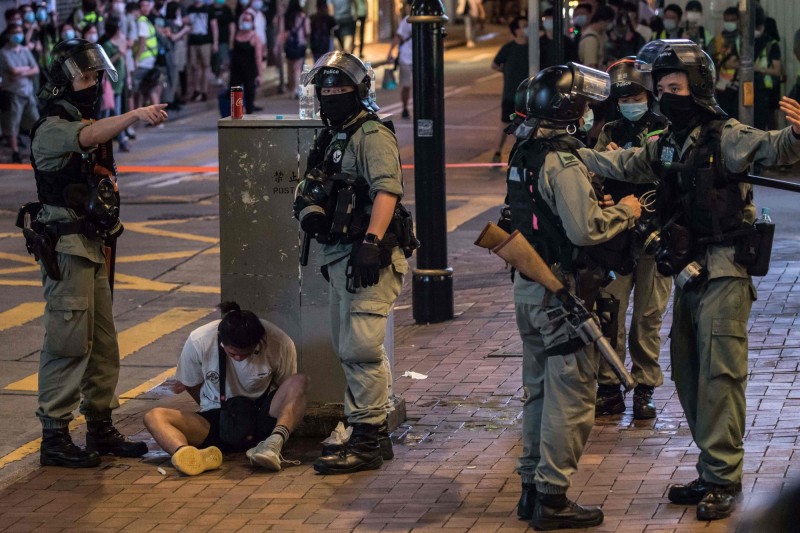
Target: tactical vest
627,134
711,201
532,216
70,186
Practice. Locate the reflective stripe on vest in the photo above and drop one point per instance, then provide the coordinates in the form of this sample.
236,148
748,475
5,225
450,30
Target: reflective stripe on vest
151,44
763,62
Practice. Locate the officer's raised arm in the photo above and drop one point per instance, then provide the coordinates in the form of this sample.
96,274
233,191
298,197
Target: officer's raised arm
743,145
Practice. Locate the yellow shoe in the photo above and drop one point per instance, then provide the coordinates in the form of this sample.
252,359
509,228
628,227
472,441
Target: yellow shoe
191,461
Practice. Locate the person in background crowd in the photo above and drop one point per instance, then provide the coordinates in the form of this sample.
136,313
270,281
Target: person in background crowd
343,13
18,108
87,13
642,29
295,31
116,46
624,40
795,91
405,59
226,27
67,31
767,74
178,32
592,46
246,60
261,26
672,23
581,16
546,49
724,50
361,21
322,26
90,33
202,34
146,79
512,61
472,10
46,37
693,26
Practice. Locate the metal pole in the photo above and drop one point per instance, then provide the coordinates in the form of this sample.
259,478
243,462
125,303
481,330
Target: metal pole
432,285
533,37
558,31
746,95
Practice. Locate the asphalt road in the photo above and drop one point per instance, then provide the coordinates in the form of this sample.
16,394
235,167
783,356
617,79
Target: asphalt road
168,262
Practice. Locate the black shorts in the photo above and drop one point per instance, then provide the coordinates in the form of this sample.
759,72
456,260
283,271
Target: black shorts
507,109
264,426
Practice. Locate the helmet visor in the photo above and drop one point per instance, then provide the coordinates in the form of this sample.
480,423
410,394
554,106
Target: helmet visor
687,52
89,59
588,82
346,63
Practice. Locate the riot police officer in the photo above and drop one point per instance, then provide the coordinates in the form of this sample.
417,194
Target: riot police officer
631,91
78,210
348,201
706,241
554,205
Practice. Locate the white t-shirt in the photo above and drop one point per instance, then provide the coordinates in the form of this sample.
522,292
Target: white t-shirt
405,53
273,362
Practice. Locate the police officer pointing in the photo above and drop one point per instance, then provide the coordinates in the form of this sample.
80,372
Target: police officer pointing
348,202
706,239
77,212
554,205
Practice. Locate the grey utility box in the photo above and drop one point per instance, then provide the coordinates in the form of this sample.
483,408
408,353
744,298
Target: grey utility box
261,160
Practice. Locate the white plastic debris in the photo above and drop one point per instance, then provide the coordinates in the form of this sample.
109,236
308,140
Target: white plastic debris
339,435
414,375
162,471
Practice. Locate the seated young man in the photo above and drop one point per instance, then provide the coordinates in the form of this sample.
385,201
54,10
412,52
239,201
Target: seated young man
261,364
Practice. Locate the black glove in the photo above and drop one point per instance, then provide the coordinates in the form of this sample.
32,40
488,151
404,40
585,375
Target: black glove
366,263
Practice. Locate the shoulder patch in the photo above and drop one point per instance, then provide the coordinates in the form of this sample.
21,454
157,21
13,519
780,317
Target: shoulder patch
567,159
370,127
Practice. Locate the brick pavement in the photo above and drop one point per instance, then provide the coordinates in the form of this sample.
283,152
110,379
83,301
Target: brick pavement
455,454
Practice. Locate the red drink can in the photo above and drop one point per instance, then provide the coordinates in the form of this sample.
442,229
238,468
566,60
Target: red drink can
237,102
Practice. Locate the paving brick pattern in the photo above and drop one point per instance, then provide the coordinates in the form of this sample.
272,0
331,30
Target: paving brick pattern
455,455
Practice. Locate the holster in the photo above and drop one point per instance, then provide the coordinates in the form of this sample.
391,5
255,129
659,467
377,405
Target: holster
607,309
43,248
588,282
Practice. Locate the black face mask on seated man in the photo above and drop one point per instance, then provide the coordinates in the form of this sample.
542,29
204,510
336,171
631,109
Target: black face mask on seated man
339,108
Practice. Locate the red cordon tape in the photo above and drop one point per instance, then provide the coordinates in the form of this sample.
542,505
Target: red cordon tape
215,170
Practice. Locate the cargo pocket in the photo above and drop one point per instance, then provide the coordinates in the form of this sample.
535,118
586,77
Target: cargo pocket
67,326
728,349
367,331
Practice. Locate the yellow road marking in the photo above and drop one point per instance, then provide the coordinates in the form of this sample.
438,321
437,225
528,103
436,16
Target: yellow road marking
7,235
17,258
475,205
33,446
20,270
133,284
145,227
134,338
21,314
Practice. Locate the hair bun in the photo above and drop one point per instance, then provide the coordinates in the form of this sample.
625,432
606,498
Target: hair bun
227,307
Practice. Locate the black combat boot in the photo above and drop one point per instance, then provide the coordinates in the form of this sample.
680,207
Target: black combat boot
384,441
643,406
57,449
103,438
689,494
556,511
719,501
361,452
527,501
609,400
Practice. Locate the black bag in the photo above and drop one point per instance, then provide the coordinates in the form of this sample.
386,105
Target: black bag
292,48
151,78
237,415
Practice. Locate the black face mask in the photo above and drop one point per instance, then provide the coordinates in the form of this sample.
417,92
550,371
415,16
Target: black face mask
86,100
338,108
679,109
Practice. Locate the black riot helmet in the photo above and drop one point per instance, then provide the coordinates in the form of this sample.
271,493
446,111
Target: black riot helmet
627,79
558,95
665,56
341,69
68,60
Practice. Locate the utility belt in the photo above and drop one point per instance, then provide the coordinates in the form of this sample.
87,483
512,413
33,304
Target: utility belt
41,239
